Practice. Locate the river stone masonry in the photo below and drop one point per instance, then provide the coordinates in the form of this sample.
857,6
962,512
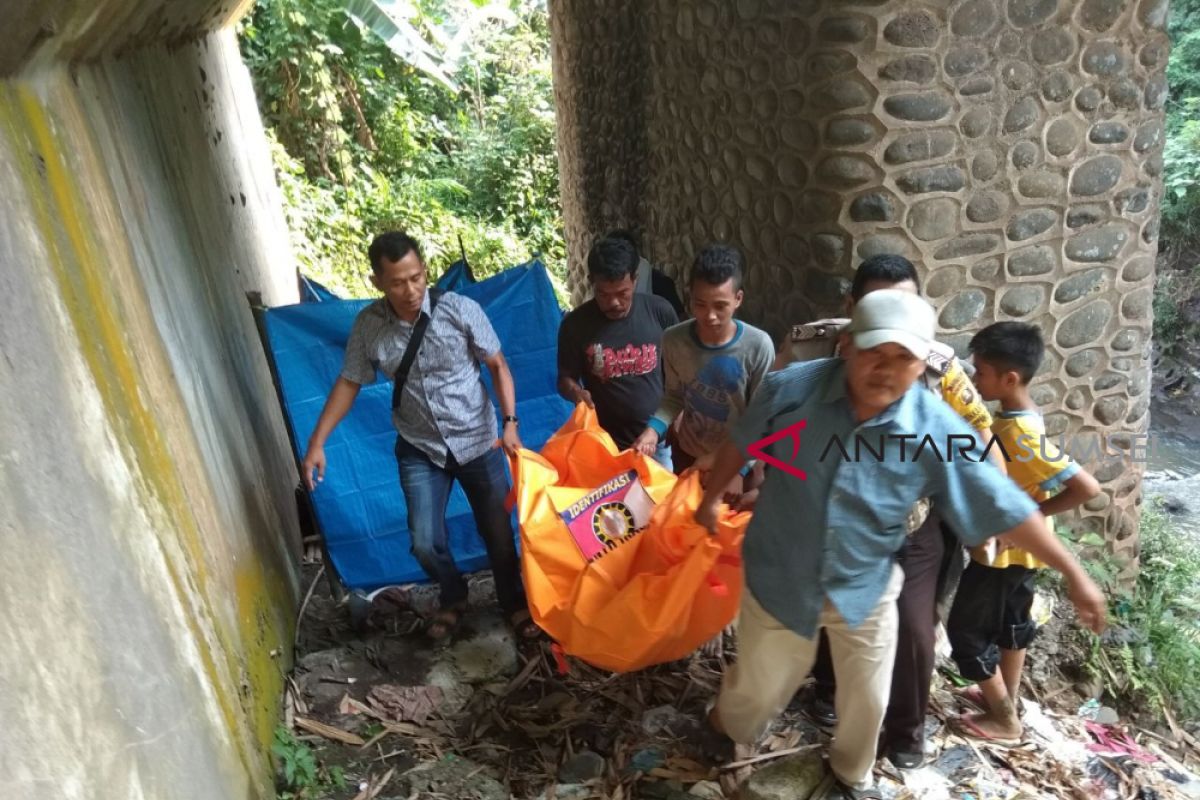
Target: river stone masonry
1012,148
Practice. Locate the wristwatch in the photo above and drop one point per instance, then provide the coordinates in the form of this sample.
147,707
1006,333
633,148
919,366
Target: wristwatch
510,418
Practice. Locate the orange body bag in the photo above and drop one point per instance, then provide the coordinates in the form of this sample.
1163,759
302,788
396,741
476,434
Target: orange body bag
616,569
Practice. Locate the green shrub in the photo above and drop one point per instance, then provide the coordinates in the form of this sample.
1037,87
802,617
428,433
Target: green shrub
301,777
1150,656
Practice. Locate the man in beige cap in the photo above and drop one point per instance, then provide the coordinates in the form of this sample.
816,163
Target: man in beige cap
931,556
844,436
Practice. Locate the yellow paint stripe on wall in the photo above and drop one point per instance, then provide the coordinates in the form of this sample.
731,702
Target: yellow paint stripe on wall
84,275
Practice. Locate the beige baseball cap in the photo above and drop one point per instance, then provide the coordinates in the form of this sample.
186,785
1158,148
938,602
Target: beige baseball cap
892,315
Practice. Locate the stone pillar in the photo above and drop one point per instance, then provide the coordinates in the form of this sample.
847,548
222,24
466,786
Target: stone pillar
600,84
1011,148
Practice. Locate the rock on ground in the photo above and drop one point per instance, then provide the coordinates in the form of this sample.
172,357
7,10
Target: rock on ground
787,779
455,777
582,767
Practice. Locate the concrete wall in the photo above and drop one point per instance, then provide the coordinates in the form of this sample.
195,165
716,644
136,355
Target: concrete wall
1012,148
146,512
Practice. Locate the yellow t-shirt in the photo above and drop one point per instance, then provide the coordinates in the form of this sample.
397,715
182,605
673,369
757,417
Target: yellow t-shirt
1036,464
960,393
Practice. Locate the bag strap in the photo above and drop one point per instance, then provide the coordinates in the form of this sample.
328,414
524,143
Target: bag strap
410,352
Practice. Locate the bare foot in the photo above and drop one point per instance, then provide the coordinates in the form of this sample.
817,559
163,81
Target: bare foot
992,728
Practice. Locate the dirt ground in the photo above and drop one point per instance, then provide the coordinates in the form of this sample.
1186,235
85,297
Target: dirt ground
483,717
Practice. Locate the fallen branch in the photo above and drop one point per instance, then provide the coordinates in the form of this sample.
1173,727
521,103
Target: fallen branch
804,748
304,605
522,677
329,732
413,731
373,789
1180,734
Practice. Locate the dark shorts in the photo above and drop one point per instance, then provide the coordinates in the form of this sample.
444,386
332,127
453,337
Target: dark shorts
991,613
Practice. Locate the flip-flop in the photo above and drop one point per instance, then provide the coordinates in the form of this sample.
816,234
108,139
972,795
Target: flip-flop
965,726
973,696
444,623
523,626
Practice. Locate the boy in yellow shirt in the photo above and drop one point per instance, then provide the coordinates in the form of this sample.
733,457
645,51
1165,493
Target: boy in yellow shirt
990,625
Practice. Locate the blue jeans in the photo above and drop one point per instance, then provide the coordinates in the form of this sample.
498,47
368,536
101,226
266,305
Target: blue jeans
427,492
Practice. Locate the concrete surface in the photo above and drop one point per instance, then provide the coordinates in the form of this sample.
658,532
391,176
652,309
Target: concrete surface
147,520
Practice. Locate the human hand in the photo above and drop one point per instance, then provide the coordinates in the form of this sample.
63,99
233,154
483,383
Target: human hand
1089,602
584,396
511,440
746,501
733,490
705,462
646,443
314,459
755,478
706,516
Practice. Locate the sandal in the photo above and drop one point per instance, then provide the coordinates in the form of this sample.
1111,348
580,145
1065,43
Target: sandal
965,726
820,711
973,696
523,626
444,623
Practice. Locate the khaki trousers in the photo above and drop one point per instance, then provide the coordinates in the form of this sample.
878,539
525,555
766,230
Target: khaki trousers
774,660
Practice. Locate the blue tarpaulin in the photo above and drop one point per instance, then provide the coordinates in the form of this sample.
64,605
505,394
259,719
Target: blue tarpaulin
457,276
313,292
359,506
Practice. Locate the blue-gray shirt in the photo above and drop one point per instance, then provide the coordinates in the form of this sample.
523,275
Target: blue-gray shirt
445,408
836,533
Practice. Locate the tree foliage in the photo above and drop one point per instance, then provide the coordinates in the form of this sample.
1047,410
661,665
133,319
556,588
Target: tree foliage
1181,153
1178,281
364,141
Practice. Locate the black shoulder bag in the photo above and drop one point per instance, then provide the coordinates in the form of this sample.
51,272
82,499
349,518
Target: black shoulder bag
410,352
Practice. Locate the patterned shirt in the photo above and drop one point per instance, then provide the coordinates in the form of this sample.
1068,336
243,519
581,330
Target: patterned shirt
835,534
445,406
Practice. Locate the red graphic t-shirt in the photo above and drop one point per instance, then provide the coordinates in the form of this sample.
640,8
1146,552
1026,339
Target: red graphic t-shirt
618,361
608,363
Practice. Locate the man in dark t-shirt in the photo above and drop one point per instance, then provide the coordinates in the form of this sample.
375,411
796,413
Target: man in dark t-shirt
609,348
649,278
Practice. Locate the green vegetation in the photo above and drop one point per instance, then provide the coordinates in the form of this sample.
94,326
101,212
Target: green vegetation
1179,275
453,146
1148,658
1181,155
301,777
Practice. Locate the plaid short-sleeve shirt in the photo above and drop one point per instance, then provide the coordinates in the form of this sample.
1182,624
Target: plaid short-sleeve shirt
445,406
